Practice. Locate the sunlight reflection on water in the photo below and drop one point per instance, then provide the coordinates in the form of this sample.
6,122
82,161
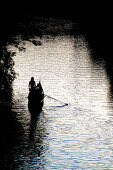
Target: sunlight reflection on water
77,136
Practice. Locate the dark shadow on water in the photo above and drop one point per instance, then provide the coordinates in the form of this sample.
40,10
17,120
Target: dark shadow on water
36,135
33,124
10,135
10,128
105,62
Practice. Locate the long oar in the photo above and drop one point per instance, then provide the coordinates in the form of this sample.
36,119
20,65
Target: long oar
65,104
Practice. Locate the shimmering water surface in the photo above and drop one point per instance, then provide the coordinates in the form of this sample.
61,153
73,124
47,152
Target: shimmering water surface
78,135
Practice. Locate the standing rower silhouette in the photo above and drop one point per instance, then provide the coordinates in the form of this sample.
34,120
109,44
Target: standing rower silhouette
32,84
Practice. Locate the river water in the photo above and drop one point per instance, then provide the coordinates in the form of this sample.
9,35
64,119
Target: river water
74,136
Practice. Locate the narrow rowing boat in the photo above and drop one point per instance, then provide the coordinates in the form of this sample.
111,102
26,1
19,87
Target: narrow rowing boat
36,99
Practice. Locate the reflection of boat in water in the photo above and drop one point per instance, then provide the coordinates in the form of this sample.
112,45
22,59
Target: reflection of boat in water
36,98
